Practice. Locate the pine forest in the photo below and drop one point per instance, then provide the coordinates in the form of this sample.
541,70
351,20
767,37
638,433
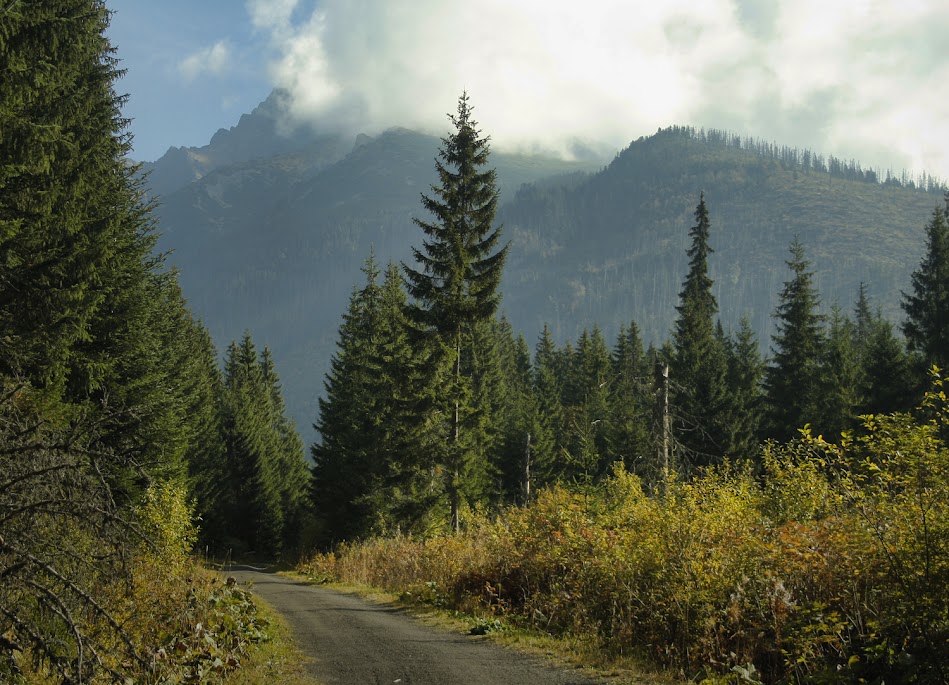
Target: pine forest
730,508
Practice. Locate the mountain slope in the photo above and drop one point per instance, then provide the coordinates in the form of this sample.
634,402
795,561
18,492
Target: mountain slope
261,134
274,244
613,247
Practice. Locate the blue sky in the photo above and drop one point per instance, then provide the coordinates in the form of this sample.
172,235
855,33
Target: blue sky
169,104
862,79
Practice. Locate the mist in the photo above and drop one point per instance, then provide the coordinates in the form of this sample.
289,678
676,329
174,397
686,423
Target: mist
861,80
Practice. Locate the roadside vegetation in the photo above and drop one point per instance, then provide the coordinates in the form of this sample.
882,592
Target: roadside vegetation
117,427
157,616
829,563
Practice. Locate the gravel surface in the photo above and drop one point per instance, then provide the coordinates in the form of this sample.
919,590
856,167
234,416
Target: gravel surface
355,642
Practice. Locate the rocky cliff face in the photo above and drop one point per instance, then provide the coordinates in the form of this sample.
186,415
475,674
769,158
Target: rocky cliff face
262,134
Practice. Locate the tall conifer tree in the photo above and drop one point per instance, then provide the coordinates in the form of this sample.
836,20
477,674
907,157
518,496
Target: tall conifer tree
698,362
289,462
841,375
630,409
743,403
793,378
261,505
344,469
927,307
549,392
888,378
374,462
105,375
455,288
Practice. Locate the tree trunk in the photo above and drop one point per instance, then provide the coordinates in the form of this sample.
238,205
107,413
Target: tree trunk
453,492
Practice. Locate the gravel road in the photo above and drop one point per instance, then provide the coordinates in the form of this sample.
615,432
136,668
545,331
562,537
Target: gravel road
352,641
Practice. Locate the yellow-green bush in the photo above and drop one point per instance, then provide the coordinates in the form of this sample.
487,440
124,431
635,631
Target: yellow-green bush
832,565
183,622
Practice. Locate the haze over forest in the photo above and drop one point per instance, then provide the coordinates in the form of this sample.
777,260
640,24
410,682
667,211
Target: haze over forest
270,226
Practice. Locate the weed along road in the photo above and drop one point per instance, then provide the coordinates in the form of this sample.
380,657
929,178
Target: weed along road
358,643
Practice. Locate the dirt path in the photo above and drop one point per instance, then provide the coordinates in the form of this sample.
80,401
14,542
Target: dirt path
352,641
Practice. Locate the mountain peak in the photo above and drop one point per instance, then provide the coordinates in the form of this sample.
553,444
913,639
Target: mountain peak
261,134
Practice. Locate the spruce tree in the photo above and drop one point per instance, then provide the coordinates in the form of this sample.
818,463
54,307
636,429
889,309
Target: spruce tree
105,374
517,417
455,288
743,402
72,223
889,382
207,470
593,370
630,406
344,471
927,307
841,373
374,462
863,320
793,378
550,411
289,462
405,413
253,476
697,366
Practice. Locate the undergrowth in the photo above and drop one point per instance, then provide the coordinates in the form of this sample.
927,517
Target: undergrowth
185,623
826,563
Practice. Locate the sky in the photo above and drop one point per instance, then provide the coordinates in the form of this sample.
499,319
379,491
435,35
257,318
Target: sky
859,79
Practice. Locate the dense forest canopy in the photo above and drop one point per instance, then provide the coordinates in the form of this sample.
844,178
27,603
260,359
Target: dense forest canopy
516,421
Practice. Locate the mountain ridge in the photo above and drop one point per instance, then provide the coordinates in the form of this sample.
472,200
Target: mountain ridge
275,243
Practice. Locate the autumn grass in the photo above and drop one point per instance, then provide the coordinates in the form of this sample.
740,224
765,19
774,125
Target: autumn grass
826,563
566,651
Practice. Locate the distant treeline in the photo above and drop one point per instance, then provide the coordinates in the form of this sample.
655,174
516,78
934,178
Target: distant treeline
805,160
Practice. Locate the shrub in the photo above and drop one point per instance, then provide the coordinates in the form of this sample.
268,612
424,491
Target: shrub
831,565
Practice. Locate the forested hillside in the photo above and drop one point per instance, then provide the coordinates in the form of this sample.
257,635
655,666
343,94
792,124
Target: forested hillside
781,520
117,427
276,242
611,247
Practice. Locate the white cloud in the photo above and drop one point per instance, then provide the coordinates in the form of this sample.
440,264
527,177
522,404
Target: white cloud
271,14
213,60
861,78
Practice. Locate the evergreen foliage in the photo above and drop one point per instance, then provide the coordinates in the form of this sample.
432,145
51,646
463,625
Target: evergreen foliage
342,472
264,479
455,292
630,414
889,381
926,326
743,405
586,411
698,364
548,389
521,432
826,563
71,220
841,374
793,377
373,466
109,385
